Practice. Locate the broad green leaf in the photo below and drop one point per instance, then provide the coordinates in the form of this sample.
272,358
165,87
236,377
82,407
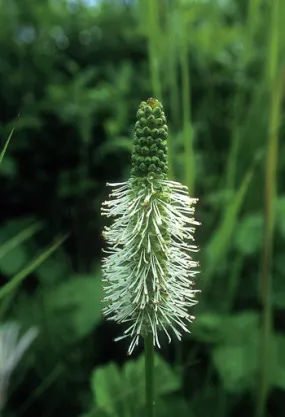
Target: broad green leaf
211,397
237,364
208,327
278,285
8,167
221,328
108,387
278,367
166,379
14,260
280,218
80,299
124,389
54,269
173,406
248,236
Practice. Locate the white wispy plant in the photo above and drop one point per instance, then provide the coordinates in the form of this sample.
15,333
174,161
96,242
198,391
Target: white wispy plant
12,348
148,270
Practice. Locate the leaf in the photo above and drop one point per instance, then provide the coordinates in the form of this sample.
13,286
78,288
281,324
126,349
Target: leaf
107,385
236,355
220,328
221,239
208,327
248,237
8,167
54,269
176,406
6,145
113,147
124,389
237,364
22,236
20,276
166,380
280,218
212,397
278,368
13,261
238,327
278,285
13,253
78,298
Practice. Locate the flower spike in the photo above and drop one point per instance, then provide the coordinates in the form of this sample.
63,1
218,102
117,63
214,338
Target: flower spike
148,270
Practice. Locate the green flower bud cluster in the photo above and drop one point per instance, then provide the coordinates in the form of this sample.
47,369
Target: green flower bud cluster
150,149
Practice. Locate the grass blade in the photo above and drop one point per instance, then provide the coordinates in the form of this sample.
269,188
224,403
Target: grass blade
20,238
20,276
220,240
6,146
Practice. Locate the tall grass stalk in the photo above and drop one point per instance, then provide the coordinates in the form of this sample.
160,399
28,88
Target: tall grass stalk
156,41
274,85
252,18
153,37
240,101
8,290
186,101
6,145
173,97
232,160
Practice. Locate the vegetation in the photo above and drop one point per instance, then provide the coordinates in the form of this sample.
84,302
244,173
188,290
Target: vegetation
75,74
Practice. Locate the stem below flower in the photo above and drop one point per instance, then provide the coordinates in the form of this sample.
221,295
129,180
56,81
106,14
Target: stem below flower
149,374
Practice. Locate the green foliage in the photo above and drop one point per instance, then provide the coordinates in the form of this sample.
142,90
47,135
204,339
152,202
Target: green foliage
249,235
76,73
24,272
13,253
219,243
2,153
236,356
278,365
120,392
78,300
70,309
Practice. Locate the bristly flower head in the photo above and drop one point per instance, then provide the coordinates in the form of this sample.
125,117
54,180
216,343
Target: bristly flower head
148,269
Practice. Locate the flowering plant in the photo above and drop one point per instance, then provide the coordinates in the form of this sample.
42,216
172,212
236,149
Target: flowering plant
148,269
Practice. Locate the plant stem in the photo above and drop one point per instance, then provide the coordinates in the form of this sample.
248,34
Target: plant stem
149,375
276,92
153,41
187,126
269,220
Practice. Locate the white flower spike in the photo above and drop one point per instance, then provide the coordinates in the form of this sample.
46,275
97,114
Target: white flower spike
148,270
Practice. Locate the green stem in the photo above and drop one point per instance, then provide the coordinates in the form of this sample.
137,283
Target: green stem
276,92
153,39
149,374
232,161
187,126
266,274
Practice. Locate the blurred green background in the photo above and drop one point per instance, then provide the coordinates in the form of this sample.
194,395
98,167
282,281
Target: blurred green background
72,74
